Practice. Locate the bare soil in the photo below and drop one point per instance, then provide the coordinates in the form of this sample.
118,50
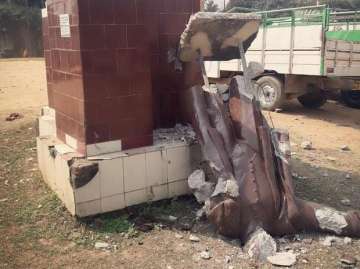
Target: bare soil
37,232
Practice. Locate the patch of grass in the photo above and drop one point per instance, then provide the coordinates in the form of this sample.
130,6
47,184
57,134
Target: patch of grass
116,225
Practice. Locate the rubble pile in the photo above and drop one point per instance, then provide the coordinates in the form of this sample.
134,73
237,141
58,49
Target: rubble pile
180,133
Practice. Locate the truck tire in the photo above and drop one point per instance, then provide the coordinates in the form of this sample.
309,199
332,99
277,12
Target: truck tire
351,98
315,98
270,92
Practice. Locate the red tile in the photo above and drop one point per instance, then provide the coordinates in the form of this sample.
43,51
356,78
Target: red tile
184,6
115,36
75,62
101,12
173,23
99,62
125,11
84,14
136,142
92,37
97,133
95,87
137,36
141,83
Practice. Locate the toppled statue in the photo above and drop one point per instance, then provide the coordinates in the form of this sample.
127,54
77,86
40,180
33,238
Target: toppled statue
250,161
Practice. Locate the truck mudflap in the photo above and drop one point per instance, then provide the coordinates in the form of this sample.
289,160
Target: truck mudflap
251,165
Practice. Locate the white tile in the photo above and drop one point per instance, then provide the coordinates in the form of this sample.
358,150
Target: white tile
134,172
136,197
156,193
179,163
47,126
89,208
90,191
112,177
178,188
155,168
71,141
104,148
113,203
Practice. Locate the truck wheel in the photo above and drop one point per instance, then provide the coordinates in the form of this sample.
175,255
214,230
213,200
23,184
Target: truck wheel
351,98
315,98
270,92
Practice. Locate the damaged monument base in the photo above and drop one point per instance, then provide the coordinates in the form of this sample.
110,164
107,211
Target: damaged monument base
251,164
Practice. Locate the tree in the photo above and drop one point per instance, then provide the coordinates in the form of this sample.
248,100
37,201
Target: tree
210,6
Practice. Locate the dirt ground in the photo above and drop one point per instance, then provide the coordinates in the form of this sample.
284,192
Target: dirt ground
37,232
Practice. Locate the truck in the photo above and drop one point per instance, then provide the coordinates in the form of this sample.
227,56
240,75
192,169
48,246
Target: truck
305,52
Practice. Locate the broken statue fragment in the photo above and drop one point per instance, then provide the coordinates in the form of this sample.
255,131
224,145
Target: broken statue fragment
251,162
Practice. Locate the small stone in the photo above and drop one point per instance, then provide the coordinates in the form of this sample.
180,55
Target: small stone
308,241
325,174
345,148
348,260
348,176
346,202
347,241
3,200
307,145
194,238
332,159
172,218
179,236
283,259
328,241
205,255
261,245
278,110
102,245
227,259
200,214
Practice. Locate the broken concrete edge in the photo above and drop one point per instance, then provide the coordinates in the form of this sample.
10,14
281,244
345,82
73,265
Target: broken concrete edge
221,40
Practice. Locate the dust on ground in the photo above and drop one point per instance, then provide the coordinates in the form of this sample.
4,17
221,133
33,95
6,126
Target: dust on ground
36,231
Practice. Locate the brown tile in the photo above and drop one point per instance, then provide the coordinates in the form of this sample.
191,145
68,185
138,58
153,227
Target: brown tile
97,134
184,6
141,83
101,12
125,12
173,23
136,142
84,14
75,62
92,37
137,36
99,62
115,36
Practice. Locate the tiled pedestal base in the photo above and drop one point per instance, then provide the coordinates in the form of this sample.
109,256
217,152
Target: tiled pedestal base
123,179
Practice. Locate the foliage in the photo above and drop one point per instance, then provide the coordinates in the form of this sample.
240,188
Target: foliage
210,6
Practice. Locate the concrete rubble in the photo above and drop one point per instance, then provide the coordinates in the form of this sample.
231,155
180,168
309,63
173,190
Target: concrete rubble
285,259
180,133
261,246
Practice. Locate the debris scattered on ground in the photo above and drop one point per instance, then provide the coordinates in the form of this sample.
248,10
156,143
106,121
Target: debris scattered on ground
179,236
286,259
201,189
261,245
307,145
345,148
348,176
332,159
348,261
4,200
329,240
205,255
194,238
227,259
278,110
180,133
347,241
102,246
14,116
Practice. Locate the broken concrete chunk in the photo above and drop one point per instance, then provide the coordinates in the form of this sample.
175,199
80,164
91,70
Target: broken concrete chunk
307,145
200,188
345,148
261,246
82,172
217,35
102,245
331,219
205,255
194,238
286,259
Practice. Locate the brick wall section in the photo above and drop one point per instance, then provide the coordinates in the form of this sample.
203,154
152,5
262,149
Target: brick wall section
111,79
116,72
165,20
65,88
